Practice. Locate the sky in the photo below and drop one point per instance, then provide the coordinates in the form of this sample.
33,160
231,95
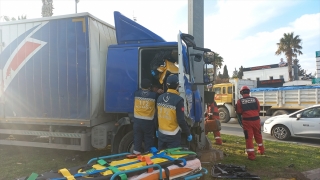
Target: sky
243,32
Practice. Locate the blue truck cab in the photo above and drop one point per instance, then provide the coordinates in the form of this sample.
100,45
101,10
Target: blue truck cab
128,62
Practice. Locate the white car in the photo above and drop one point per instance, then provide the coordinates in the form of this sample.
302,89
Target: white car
303,123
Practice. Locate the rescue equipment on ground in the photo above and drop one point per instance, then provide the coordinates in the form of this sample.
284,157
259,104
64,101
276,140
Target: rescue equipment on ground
212,125
167,164
227,171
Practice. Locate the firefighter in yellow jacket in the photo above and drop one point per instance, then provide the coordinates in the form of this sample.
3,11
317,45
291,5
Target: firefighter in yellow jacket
170,119
144,114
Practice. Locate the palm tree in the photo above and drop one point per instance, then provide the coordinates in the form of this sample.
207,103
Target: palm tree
216,60
289,45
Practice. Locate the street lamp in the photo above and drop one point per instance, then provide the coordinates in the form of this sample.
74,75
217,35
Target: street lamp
76,2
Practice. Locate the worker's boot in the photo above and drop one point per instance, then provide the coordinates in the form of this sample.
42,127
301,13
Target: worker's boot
218,141
261,149
251,155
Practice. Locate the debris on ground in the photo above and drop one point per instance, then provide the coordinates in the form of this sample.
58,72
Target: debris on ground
222,171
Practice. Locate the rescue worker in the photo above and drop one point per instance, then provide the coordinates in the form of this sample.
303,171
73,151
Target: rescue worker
213,114
249,108
170,113
144,113
157,89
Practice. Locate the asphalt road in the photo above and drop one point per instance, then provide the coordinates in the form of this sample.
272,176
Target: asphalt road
233,128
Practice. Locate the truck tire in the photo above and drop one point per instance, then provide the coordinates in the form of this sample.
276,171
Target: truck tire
281,132
126,143
280,112
224,115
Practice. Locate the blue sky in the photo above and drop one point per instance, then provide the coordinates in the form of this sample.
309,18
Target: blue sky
290,14
243,32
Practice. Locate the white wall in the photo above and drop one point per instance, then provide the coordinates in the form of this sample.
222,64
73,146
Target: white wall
264,74
298,83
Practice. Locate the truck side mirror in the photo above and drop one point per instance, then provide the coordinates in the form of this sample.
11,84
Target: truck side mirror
209,57
197,57
298,116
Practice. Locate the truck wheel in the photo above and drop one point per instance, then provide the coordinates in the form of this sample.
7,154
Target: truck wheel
281,132
126,143
224,115
280,112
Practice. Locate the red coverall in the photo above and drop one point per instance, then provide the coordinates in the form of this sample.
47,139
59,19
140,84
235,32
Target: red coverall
249,108
213,109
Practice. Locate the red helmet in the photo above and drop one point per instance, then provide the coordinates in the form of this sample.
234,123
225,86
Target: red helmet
244,88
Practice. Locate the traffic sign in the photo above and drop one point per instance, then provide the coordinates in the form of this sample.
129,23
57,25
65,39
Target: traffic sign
316,81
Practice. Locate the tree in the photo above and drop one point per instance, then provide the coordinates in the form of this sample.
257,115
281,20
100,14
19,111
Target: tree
216,60
301,72
289,45
220,75
240,73
22,17
225,72
221,80
47,8
7,18
235,73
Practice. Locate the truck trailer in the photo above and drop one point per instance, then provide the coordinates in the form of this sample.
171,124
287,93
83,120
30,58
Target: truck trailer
68,82
273,101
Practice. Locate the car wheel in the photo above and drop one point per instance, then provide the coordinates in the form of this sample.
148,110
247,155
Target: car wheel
224,115
280,112
281,132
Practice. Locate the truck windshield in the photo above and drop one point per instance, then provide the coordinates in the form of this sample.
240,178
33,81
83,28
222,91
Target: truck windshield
217,90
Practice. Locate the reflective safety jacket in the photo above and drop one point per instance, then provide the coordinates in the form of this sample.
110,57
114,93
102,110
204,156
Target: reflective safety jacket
213,109
144,104
171,113
249,108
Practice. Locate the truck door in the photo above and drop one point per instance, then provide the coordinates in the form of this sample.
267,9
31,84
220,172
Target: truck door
191,74
224,97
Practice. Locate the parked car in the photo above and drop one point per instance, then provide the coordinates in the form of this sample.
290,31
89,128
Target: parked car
303,123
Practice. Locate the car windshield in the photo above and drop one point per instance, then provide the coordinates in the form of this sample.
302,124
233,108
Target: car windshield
311,113
306,111
217,90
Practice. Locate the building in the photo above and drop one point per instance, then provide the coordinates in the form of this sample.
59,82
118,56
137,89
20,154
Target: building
266,72
272,75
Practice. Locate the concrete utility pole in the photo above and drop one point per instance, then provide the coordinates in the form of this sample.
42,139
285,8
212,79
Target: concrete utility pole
196,29
76,3
47,8
196,21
